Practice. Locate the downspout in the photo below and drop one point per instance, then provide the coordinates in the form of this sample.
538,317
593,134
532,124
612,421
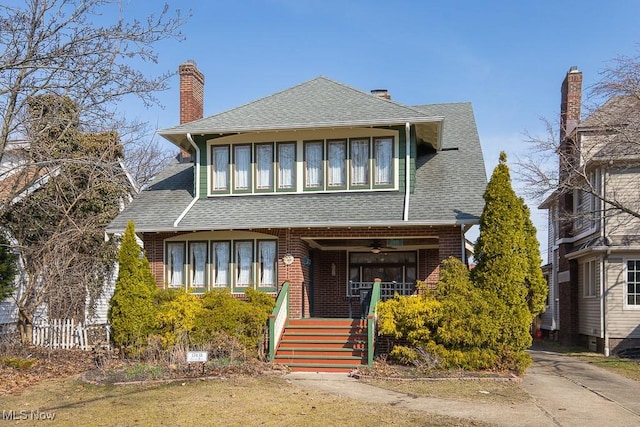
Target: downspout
603,259
196,182
407,170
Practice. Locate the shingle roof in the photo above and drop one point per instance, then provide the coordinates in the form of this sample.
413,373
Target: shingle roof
317,103
448,189
618,111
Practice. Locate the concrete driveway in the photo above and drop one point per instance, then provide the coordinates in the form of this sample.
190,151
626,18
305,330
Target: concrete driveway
564,392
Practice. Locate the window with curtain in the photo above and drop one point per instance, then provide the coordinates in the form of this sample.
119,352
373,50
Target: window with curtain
175,264
264,166
383,156
220,165
198,261
220,263
336,154
313,164
244,260
267,254
360,162
286,165
242,162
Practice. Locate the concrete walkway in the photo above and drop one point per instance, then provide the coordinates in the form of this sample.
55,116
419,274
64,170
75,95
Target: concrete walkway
564,392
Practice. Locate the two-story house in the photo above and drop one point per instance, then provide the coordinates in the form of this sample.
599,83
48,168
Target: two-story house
320,185
594,245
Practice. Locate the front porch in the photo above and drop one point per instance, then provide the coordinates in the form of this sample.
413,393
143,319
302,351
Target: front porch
324,344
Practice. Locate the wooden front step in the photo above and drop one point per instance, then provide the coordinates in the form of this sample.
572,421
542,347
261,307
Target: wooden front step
323,345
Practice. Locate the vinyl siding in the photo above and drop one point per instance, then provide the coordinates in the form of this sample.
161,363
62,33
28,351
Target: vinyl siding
621,322
622,185
589,306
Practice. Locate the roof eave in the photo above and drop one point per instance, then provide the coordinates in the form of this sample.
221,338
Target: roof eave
433,223
177,136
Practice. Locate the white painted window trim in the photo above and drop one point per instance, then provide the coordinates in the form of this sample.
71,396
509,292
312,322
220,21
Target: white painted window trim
626,305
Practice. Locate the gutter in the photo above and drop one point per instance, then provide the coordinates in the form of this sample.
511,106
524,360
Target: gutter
325,225
407,171
196,182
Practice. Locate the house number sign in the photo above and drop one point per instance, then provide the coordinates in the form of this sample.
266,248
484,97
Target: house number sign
197,356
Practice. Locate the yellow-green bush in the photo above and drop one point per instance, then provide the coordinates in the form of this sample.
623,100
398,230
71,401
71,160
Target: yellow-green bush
455,328
412,318
243,320
177,315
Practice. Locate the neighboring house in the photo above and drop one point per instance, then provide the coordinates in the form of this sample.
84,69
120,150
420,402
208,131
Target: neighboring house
594,250
19,179
319,185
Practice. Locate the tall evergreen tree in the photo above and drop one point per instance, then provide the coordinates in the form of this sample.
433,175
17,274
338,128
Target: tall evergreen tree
132,312
503,263
535,282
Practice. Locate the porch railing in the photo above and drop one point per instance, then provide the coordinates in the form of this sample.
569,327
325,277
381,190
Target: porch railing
278,320
387,289
372,318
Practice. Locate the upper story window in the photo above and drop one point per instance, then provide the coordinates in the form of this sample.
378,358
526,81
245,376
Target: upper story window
264,167
220,168
286,166
584,203
313,160
365,163
242,168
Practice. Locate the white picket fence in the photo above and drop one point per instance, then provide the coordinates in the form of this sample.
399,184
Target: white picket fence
63,334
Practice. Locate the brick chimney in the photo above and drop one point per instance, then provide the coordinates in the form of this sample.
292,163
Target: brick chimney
191,96
571,100
381,93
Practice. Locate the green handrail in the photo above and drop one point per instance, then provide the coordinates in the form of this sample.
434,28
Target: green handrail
278,320
371,320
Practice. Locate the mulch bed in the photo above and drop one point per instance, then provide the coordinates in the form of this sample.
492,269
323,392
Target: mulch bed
52,363
382,370
48,364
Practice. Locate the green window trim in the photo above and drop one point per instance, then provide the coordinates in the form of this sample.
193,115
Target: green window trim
219,173
263,171
282,182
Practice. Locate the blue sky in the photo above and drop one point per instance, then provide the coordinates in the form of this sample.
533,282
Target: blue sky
508,58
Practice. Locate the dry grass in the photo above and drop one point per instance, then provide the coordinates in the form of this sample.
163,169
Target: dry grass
267,401
627,368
